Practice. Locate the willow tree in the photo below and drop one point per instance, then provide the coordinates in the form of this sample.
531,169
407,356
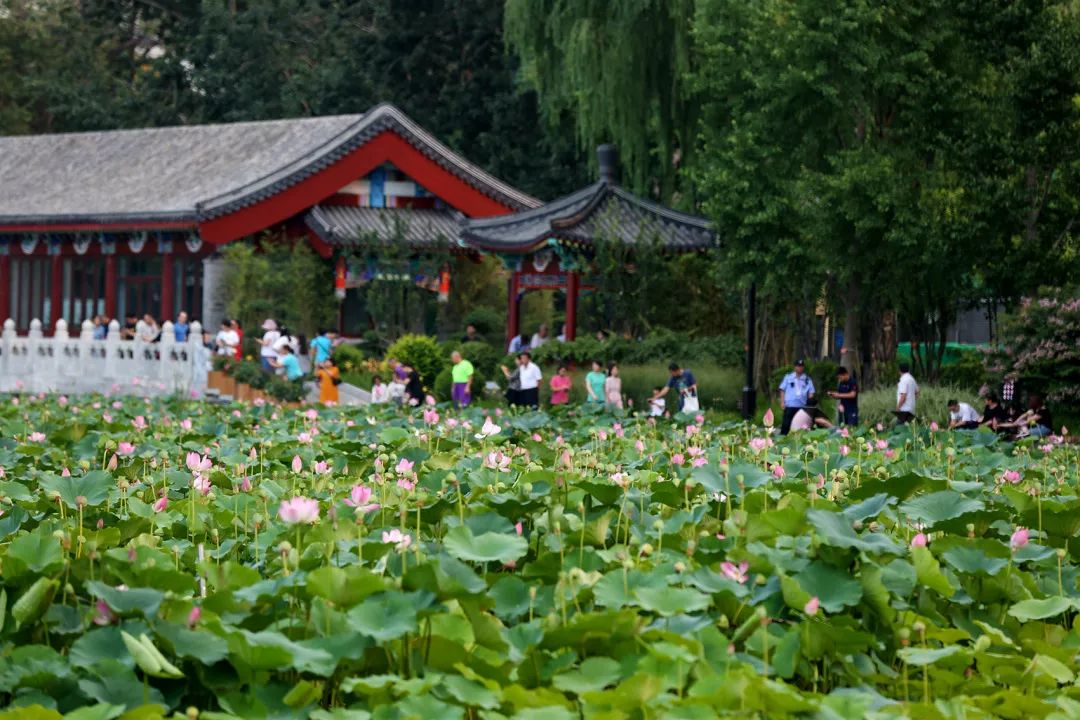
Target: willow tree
621,71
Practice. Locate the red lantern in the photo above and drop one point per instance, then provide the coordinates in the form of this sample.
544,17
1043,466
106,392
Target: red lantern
340,273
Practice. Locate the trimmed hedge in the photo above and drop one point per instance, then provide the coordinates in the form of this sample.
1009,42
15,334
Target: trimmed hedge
660,346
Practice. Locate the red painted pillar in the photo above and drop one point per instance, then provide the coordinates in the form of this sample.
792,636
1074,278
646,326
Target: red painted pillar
168,285
110,286
513,308
573,280
57,288
5,287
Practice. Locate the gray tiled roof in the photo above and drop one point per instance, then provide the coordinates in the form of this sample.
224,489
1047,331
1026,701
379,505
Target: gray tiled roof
344,226
600,210
197,172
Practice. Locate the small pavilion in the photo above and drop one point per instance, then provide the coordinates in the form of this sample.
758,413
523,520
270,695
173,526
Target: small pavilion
551,247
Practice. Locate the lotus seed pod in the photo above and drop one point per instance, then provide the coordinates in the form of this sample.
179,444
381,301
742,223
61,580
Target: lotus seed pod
527,488
857,525
722,622
760,579
647,549
192,713
284,546
658,524
919,626
1061,553
680,566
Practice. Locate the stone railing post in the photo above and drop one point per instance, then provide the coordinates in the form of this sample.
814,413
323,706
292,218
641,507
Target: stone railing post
112,352
196,357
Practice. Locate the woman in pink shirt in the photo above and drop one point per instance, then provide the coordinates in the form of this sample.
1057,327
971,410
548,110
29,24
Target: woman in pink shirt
560,386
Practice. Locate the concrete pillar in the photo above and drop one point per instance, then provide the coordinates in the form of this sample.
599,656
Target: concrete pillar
213,292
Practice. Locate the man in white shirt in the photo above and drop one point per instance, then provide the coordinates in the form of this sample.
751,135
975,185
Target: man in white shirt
907,390
962,416
539,338
267,351
531,376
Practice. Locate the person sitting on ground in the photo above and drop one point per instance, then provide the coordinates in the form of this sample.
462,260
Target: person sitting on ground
683,382
380,391
1036,421
994,413
847,396
289,364
461,375
329,379
594,383
962,416
657,402
560,386
613,388
268,351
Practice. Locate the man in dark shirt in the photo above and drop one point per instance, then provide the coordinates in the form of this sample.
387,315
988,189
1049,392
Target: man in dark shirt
994,413
847,397
682,381
127,332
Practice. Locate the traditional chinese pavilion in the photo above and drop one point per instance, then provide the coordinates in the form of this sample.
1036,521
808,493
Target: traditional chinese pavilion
550,247
129,221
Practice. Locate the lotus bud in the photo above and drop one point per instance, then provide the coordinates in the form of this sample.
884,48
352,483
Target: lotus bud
919,626
760,580
857,525
532,593
69,589
1061,553
658,524
950,452
723,623
647,549
691,546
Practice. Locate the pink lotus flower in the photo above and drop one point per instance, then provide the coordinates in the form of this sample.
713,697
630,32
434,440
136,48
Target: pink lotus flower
106,417
844,450
518,528
890,453
139,422
197,463
678,459
735,572
536,437
639,446
201,483
429,400
311,414
245,485
112,464
36,437
185,424
758,444
194,616
1011,476
934,426
431,417
358,498
304,438
881,444
602,434
404,466
768,419
778,471
496,460
1047,448
297,464
698,462
920,540
406,484
1019,539
811,607
62,400
692,430
65,473
699,418
451,423
879,427
299,510
103,614
161,503
400,540
621,479
125,449
566,460
845,432
321,467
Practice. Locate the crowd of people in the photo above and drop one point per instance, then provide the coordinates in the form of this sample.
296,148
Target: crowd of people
798,398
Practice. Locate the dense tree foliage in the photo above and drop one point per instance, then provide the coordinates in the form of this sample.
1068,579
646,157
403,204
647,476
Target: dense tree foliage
67,65
892,162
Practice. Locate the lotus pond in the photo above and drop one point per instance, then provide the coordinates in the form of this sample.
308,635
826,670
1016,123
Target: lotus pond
177,559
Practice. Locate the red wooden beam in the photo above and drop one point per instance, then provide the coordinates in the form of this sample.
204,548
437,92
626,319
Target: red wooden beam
168,286
572,282
5,287
384,147
110,286
513,308
57,290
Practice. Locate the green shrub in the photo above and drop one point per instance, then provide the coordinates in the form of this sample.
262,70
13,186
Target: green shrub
251,373
484,357
660,346
967,372
421,352
285,390
349,358
488,322
876,406
444,383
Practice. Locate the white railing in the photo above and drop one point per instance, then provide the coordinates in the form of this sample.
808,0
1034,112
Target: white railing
65,364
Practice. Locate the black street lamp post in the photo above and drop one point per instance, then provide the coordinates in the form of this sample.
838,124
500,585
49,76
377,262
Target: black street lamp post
749,393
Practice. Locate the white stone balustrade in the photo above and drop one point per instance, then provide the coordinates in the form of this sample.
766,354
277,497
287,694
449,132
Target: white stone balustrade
66,364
